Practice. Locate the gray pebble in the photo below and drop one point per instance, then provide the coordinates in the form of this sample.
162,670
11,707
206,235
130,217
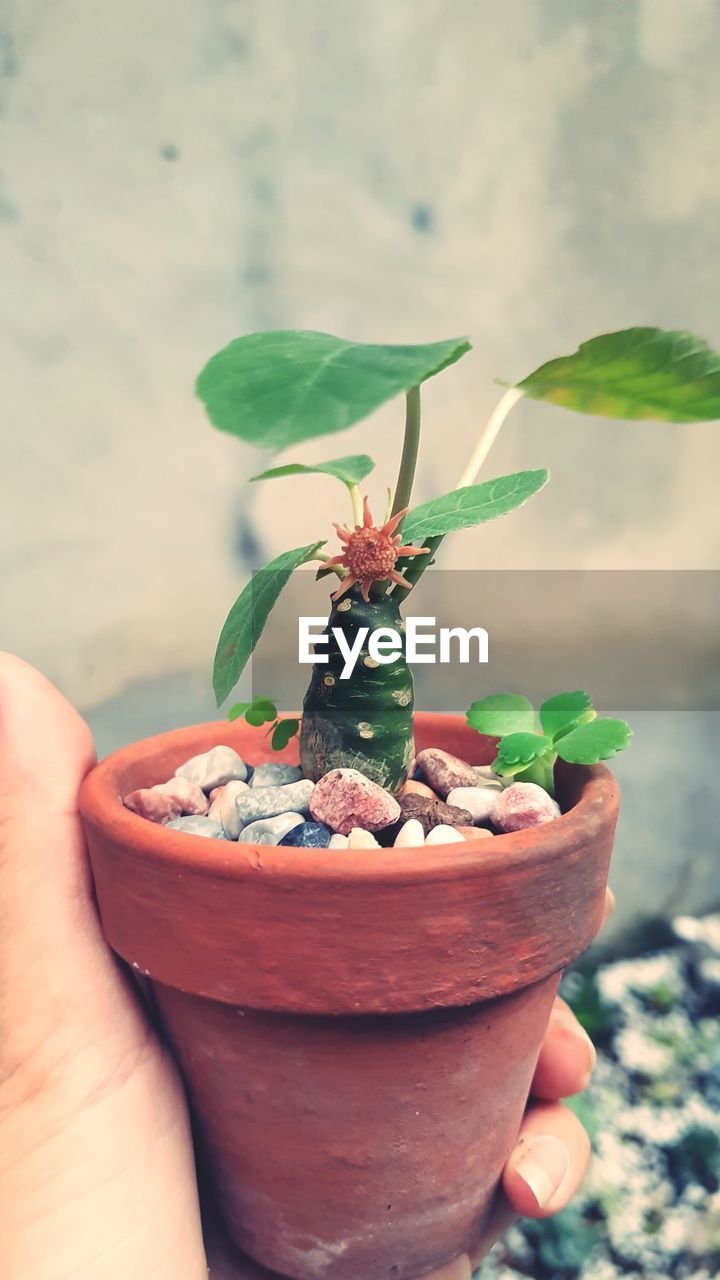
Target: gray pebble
270,830
213,768
267,802
276,775
198,825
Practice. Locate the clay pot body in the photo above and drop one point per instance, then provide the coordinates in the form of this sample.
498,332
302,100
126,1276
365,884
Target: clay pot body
357,1029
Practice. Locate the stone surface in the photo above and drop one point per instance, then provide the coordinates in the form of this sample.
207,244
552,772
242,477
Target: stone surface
152,804
276,775
268,802
360,839
338,842
345,798
479,801
431,813
410,835
198,825
414,788
213,768
270,830
472,833
444,771
224,809
522,805
443,834
189,795
308,835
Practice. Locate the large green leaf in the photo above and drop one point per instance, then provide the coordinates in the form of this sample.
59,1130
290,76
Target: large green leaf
246,620
501,713
350,470
279,388
463,508
635,373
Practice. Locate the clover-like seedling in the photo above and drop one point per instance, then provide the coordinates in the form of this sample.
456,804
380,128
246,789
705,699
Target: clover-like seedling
567,726
263,711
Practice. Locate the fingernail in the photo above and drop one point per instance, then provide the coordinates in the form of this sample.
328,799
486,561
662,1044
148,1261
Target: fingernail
543,1166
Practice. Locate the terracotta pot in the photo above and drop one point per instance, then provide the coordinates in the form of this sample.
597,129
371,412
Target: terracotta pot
357,1030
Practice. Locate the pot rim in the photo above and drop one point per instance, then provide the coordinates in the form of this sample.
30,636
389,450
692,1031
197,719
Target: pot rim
101,803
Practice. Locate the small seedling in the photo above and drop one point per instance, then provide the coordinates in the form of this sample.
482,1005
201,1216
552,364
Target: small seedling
263,711
567,726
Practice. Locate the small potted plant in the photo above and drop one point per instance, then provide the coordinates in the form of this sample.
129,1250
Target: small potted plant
356,970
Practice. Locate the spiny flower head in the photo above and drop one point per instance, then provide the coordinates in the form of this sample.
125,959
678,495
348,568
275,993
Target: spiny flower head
370,554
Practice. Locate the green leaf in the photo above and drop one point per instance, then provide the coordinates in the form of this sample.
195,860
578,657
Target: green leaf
350,470
246,620
282,733
262,711
564,710
518,750
599,740
501,713
277,389
635,373
463,508
238,709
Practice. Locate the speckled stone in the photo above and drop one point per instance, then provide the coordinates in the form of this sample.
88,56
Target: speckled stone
479,801
268,802
276,775
198,825
345,798
224,809
213,768
523,805
309,835
270,830
443,771
152,804
431,813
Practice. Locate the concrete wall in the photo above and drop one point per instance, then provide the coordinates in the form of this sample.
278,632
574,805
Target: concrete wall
174,173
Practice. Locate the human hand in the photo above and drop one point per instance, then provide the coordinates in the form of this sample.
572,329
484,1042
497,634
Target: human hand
97,1177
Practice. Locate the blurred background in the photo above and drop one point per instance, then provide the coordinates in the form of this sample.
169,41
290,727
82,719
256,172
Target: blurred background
173,174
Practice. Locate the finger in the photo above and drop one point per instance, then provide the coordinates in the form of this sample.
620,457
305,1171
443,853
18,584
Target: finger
567,1056
548,1163
610,905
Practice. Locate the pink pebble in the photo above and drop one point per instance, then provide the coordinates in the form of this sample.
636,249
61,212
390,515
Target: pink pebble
216,791
444,772
474,833
524,804
345,798
189,795
150,803
413,788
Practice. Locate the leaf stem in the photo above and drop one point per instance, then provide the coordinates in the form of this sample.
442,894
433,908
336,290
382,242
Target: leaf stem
357,504
489,436
411,444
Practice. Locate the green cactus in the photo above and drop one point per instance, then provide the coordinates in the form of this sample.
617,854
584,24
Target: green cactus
365,721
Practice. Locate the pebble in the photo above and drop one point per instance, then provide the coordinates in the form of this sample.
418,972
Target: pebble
410,835
338,842
359,839
213,768
523,805
269,802
276,775
475,833
413,788
444,772
308,835
189,795
224,809
153,805
444,835
270,830
198,825
345,799
432,813
479,801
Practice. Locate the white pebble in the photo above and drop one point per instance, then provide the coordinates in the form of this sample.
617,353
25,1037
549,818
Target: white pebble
270,830
338,842
359,839
410,835
443,835
213,768
477,801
